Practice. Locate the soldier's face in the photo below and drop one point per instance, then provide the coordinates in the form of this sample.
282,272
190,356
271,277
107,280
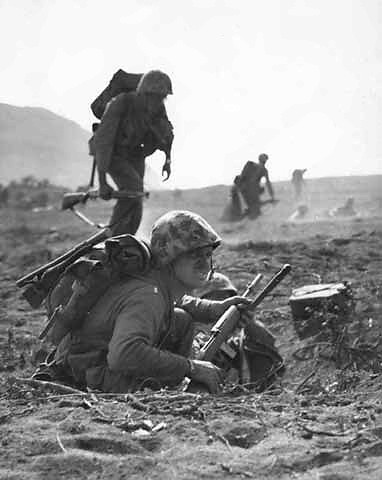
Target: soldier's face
192,268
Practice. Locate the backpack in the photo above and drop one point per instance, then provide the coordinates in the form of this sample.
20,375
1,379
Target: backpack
121,82
88,278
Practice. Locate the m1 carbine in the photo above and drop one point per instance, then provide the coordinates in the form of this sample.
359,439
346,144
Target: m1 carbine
227,323
39,282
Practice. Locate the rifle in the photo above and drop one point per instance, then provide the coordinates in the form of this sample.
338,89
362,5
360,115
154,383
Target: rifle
70,200
227,323
40,281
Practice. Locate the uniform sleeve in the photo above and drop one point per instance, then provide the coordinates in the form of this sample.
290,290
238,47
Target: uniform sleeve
202,310
268,183
105,135
132,349
160,136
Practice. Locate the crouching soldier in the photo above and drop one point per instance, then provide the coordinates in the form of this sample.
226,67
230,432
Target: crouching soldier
346,210
140,331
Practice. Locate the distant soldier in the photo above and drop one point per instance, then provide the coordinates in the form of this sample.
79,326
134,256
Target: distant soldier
298,181
133,126
250,185
346,210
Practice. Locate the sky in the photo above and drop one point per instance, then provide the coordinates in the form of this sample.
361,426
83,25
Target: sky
300,80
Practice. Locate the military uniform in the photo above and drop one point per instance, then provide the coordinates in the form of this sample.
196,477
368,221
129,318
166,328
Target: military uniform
138,333
134,335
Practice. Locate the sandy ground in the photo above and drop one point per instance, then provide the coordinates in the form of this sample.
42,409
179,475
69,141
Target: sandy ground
322,421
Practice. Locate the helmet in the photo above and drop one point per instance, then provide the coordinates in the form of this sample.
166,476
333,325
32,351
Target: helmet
218,288
263,157
180,231
156,82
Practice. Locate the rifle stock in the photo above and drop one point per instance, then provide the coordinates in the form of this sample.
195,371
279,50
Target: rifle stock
40,281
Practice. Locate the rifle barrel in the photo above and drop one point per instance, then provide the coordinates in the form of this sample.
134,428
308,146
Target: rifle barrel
78,249
271,284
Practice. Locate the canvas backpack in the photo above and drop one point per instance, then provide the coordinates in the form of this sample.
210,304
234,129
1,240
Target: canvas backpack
86,280
121,82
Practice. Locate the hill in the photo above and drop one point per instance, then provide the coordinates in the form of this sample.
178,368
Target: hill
35,141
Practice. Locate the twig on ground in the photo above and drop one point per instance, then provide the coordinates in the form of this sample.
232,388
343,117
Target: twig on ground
60,443
324,432
42,383
223,440
305,381
133,400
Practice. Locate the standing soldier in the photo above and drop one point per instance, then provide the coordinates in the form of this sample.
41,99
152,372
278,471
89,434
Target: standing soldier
250,185
298,181
133,126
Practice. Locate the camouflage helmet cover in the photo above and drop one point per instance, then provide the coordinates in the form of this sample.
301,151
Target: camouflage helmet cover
180,231
156,82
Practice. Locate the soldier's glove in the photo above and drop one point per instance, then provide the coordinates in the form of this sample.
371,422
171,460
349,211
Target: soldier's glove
166,169
105,191
206,373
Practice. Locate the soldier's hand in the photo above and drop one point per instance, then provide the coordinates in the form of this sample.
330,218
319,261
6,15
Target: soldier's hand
166,169
105,191
206,373
219,307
